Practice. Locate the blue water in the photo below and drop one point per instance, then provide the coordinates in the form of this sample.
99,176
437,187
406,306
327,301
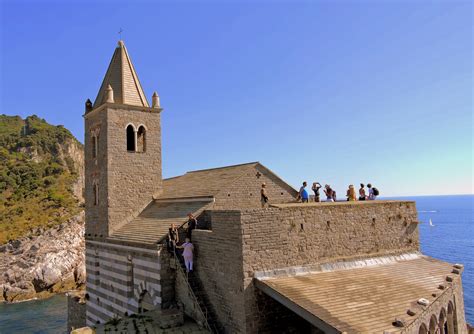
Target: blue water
48,316
451,239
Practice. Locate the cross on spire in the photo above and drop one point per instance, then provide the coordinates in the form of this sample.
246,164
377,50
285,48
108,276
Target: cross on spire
120,33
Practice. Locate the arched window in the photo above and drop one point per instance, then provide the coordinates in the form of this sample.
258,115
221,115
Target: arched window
141,139
442,323
423,329
451,319
131,147
433,324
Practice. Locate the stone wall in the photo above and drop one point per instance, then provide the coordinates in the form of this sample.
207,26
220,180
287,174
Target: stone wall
126,180
305,235
218,264
76,311
119,277
133,177
245,191
273,317
186,297
95,172
167,279
439,311
253,241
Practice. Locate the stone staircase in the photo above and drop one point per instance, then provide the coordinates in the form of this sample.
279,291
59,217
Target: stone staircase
201,297
152,225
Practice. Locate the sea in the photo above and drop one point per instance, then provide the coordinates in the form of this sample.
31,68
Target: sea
451,238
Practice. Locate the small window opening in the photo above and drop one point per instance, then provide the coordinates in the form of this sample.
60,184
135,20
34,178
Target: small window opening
96,194
141,139
130,139
94,146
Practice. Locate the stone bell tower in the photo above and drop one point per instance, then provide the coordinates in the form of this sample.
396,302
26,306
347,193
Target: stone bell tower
122,149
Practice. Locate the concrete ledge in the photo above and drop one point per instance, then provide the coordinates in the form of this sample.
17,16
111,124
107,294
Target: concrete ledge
337,264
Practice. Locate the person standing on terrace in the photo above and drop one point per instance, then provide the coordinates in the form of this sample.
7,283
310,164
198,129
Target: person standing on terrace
315,188
373,192
351,193
362,192
329,193
263,195
304,193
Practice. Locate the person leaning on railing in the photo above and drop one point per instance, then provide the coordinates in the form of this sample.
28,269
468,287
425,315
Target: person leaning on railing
191,225
172,238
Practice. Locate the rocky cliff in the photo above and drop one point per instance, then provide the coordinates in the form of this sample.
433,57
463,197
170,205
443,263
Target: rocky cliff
41,214
50,262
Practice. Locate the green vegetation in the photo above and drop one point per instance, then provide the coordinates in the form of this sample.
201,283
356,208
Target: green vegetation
36,178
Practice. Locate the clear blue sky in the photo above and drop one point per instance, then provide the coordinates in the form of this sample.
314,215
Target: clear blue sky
340,92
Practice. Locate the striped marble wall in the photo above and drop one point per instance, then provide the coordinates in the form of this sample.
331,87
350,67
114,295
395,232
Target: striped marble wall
118,277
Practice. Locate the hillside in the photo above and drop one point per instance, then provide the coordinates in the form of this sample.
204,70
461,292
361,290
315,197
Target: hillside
41,176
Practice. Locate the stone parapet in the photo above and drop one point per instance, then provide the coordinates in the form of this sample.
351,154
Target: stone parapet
297,235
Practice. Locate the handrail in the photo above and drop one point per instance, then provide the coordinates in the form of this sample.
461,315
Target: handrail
204,312
193,296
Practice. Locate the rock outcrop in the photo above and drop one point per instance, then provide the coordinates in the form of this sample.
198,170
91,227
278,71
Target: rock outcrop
47,262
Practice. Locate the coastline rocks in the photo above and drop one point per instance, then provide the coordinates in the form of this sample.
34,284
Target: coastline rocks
35,267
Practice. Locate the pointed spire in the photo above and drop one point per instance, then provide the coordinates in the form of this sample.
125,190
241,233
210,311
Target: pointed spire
123,81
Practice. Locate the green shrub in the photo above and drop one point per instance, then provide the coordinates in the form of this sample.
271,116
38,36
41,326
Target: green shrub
35,185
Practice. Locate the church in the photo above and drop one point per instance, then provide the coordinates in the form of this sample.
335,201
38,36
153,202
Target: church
344,267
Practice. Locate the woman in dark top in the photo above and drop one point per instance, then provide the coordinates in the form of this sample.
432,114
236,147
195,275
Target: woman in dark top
173,238
316,187
362,192
192,225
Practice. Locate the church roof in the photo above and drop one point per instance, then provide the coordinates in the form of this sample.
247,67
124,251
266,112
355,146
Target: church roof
192,192
152,224
205,182
123,79
364,299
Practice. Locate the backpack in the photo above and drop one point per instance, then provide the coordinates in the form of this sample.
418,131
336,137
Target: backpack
375,191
